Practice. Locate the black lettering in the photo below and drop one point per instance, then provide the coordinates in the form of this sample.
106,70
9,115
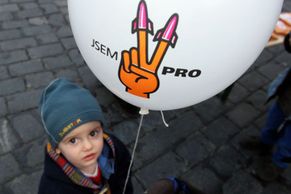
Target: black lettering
93,44
103,47
168,70
113,56
194,73
97,47
182,72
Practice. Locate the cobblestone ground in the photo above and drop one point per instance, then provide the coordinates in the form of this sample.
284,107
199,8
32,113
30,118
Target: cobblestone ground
201,144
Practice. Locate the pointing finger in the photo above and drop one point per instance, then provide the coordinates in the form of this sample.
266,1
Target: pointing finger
158,56
142,46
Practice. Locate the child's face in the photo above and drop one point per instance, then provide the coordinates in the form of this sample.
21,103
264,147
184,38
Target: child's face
83,146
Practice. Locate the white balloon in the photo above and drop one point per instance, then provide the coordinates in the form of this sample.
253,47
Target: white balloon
132,48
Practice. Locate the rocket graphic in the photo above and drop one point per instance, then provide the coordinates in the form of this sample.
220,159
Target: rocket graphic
168,33
142,22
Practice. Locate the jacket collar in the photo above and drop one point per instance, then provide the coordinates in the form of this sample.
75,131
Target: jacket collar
106,162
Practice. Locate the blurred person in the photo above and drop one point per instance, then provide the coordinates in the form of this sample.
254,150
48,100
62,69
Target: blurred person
276,134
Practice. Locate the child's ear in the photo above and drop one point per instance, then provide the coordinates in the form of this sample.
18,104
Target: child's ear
58,150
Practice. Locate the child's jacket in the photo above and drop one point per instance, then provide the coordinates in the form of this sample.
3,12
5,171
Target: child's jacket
58,178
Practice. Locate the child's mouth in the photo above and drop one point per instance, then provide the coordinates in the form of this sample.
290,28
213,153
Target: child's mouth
89,157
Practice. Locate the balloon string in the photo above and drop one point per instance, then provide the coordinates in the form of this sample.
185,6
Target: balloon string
163,117
133,152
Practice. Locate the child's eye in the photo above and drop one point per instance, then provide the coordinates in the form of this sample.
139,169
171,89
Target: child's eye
94,133
73,140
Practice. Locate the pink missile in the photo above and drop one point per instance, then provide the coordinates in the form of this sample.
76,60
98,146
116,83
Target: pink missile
168,33
142,22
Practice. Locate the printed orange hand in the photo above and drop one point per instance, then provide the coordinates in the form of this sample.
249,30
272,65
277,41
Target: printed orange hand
137,78
135,72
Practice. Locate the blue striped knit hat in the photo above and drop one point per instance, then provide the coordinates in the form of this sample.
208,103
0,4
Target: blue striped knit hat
65,106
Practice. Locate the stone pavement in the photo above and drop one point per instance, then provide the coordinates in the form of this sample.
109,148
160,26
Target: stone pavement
201,144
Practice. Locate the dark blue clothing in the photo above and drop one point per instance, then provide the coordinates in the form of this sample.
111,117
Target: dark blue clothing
277,83
277,131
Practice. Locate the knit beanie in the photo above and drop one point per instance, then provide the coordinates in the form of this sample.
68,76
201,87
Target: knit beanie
64,106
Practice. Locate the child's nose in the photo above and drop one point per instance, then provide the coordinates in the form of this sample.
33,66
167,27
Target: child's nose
87,145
